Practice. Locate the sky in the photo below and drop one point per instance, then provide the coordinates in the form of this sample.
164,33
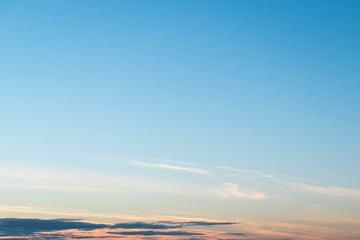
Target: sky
200,119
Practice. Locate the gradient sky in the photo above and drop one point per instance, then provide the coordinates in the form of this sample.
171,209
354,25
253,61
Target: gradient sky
216,111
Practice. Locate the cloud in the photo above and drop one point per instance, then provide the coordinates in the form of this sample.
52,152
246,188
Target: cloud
172,167
83,181
232,190
250,174
45,236
193,239
236,234
331,191
23,227
49,228
163,233
142,225
65,236
87,237
16,238
77,229
204,223
284,239
73,213
198,223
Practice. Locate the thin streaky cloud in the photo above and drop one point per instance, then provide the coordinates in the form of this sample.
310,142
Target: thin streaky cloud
253,173
170,161
232,190
331,191
142,158
77,213
172,167
88,181
300,186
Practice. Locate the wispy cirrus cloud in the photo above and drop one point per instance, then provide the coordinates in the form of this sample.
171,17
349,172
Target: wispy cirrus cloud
331,191
76,213
299,186
232,190
78,180
171,167
249,174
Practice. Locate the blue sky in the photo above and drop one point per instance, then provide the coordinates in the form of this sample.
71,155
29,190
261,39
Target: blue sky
148,101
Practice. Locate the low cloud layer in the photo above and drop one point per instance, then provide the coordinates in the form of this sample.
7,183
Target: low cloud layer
24,227
162,233
143,225
196,223
50,228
